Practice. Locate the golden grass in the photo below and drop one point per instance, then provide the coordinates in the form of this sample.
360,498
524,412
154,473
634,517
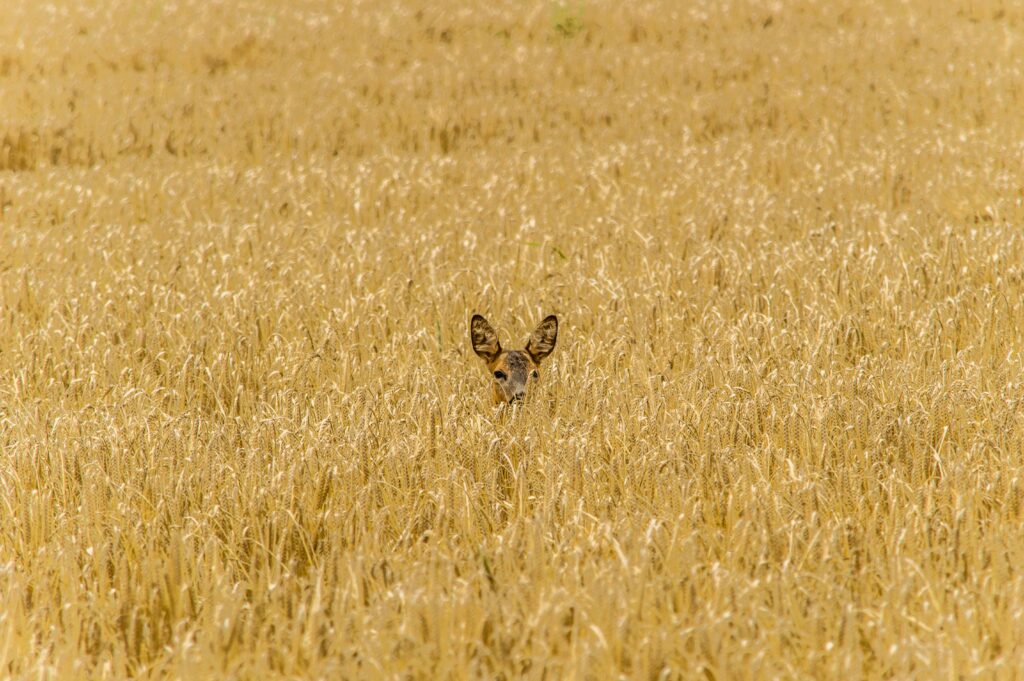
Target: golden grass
243,433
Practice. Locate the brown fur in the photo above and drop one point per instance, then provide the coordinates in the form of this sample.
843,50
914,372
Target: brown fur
512,371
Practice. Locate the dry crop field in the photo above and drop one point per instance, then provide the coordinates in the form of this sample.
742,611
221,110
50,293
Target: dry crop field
243,431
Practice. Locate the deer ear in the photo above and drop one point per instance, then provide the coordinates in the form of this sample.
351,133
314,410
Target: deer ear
542,340
484,340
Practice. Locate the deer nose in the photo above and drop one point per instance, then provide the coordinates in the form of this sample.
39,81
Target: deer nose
517,398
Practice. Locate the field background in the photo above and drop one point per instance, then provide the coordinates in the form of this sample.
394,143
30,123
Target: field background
243,433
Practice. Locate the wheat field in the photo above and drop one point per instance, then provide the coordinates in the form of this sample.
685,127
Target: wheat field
244,434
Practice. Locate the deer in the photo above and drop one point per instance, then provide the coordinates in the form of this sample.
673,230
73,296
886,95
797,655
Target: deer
512,371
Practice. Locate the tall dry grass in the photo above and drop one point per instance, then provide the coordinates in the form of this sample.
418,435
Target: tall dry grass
243,433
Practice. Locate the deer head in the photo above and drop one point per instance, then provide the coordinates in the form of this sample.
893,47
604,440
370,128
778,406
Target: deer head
512,371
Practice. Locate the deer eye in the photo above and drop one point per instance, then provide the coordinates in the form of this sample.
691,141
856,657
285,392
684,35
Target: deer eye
500,375
535,374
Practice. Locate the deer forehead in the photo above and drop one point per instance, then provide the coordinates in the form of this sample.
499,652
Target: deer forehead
513,362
